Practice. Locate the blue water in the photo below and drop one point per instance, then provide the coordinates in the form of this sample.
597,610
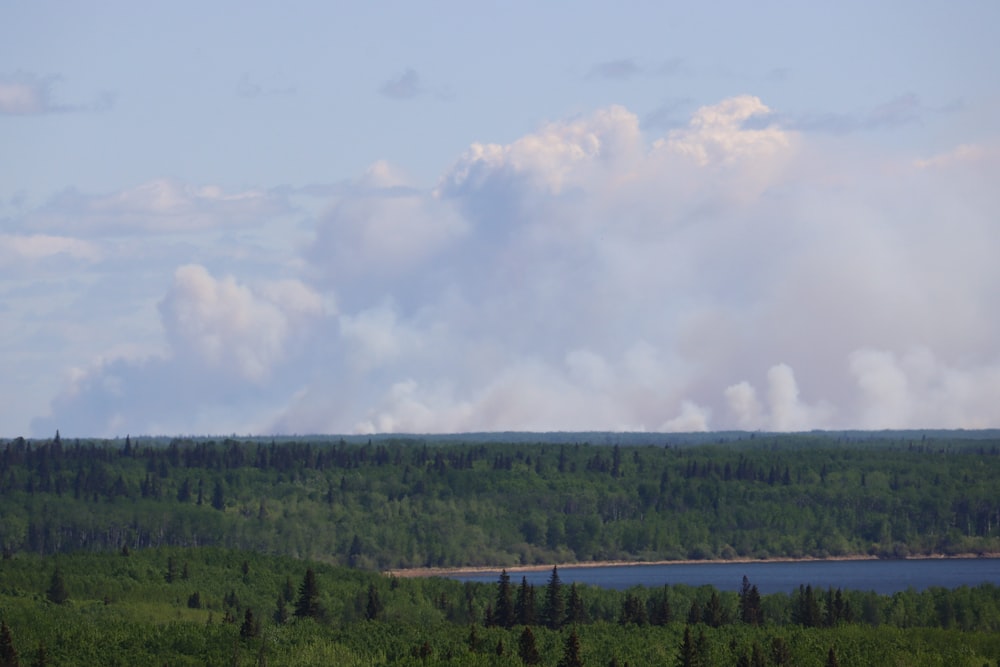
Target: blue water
881,576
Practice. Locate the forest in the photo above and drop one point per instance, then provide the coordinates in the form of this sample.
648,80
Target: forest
260,551
396,503
214,606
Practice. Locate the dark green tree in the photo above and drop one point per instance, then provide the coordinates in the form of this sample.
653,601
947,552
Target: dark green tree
527,649
661,613
8,654
57,593
307,605
503,612
250,627
688,652
524,603
714,615
575,612
750,612
219,496
571,652
780,653
374,605
41,656
555,607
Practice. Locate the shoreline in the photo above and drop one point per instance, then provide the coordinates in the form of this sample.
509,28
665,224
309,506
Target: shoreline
415,572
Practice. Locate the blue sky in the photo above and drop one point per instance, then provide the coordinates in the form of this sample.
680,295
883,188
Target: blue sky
353,217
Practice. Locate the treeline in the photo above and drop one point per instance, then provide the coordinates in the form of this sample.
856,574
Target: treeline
213,606
409,502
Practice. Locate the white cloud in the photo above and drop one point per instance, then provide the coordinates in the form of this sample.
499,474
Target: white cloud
553,158
586,277
230,327
34,247
718,134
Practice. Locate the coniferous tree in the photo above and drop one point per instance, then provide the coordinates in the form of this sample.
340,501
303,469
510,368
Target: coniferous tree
281,610
571,653
219,496
57,593
661,613
575,613
527,649
41,656
780,653
250,627
750,612
8,654
524,603
503,613
555,608
374,605
307,606
688,653
694,613
714,614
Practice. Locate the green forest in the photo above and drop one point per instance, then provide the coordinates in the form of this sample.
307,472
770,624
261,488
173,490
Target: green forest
214,606
413,502
256,551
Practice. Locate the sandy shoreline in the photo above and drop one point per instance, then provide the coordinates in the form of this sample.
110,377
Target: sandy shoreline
487,569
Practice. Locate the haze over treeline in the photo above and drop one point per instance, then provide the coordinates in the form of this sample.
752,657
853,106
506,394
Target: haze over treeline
656,218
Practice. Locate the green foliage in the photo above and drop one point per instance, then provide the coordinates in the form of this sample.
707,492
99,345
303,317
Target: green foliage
411,502
123,612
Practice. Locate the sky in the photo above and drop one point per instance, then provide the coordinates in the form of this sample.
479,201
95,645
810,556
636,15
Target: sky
314,217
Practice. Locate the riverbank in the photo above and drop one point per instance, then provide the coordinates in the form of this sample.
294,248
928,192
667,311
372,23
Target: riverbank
512,569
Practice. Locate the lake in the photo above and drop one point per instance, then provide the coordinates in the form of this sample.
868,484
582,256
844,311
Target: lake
881,576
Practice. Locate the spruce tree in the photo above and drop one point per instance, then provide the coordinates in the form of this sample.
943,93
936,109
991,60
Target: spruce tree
374,606
57,593
307,606
527,649
555,608
575,613
571,653
8,654
503,613
524,603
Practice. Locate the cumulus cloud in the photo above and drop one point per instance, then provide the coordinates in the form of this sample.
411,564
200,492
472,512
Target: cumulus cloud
732,273
231,327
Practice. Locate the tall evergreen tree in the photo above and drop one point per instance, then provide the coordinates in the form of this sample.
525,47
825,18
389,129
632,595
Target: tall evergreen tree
57,593
750,612
555,607
219,496
41,656
575,613
689,651
503,613
307,606
524,603
571,653
374,606
250,627
527,649
8,654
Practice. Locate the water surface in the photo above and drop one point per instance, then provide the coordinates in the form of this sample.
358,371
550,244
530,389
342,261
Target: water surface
881,576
